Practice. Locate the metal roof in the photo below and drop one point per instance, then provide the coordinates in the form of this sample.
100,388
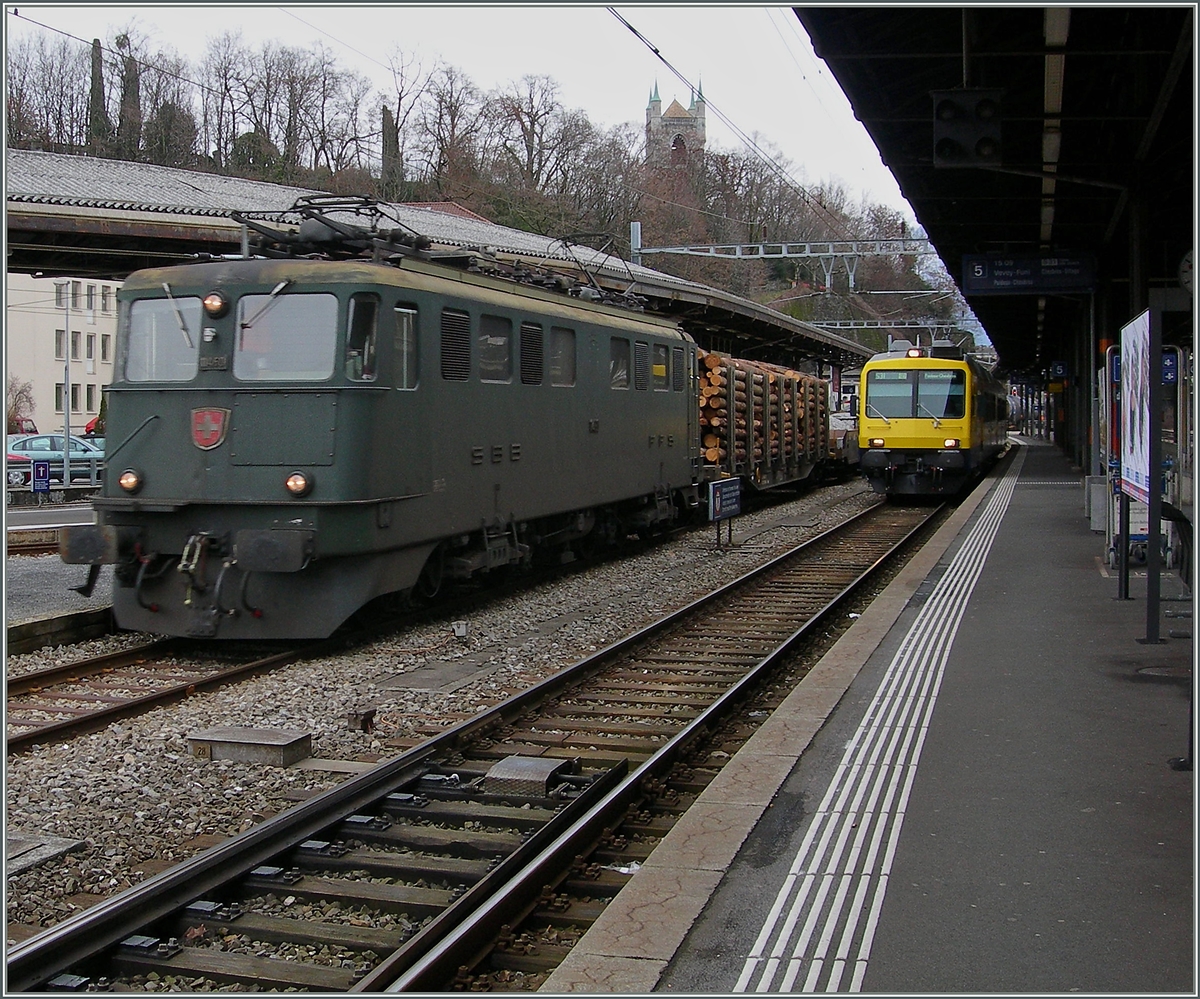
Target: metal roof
81,215
1097,147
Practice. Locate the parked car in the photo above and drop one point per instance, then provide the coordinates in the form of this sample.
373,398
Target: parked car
24,449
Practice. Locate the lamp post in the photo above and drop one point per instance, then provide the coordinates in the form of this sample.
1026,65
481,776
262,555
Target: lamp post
66,289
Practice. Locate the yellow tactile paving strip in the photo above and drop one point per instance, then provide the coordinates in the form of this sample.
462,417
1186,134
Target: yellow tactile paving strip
630,945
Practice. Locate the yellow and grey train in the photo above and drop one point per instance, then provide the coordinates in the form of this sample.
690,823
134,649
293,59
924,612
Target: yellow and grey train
931,420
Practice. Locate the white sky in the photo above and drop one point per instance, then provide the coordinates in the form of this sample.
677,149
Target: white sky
755,64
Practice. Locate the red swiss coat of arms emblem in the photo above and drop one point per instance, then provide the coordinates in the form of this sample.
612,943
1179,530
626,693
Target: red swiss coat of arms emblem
209,427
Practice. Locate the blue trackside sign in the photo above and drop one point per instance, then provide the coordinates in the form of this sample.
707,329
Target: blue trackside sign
1170,369
724,499
41,476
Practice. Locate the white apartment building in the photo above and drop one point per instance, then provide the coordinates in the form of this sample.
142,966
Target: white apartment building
39,314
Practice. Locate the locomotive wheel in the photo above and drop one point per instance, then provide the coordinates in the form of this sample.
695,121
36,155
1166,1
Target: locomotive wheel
433,574
592,545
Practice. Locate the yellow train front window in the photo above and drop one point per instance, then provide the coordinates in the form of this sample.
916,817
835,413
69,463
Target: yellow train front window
942,394
920,393
889,394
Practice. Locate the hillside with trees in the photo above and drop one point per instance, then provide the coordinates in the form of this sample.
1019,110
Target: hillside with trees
515,155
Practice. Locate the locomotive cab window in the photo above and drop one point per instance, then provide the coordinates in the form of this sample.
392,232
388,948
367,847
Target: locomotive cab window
562,356
163,341
495,349
360,338
917,394
659,368
618,367
404,346
942,395
284,337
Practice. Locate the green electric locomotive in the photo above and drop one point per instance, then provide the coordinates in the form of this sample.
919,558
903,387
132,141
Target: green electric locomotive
343,414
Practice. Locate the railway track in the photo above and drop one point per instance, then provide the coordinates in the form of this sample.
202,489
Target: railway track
60,702
474,860
32,547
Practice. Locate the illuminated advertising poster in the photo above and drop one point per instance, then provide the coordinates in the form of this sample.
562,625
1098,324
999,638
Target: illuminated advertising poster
1135,408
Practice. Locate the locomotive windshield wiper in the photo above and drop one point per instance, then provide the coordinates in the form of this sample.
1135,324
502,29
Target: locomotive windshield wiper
267,304
187,337
936,420
879,414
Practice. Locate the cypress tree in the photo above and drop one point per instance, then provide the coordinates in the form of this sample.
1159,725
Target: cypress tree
392,172
99,127
129,125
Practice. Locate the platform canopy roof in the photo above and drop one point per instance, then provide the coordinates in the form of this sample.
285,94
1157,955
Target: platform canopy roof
85,216
1096,115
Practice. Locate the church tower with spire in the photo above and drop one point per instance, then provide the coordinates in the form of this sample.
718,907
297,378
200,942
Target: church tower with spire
674,136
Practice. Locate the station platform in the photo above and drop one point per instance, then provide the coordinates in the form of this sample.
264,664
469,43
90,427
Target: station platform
979,789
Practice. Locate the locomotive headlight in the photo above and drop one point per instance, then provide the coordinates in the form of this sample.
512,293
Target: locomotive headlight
130,480
216,304
950,442
876,442
299,483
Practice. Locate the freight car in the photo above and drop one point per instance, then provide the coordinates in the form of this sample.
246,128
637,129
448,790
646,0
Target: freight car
345,413
930,420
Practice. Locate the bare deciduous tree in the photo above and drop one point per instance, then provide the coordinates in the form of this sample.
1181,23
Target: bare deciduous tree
221,106
48,94
410,83
450,119
20,403
530,119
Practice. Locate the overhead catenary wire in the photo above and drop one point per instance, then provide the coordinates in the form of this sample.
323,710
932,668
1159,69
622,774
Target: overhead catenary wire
799,68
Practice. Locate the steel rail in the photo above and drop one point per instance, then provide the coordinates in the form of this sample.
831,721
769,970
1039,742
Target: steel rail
29,682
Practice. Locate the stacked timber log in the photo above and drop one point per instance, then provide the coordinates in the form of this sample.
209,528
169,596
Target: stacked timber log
758,419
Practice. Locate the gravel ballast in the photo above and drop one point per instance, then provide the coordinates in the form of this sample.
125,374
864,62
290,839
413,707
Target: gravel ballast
138,801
